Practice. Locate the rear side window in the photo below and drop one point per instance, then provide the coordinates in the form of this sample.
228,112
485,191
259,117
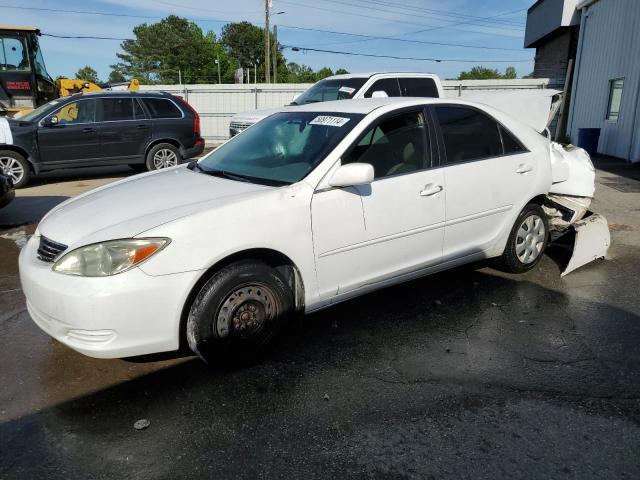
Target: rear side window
116,109
161,108
138,112
388,85
418,87
510,144
468,134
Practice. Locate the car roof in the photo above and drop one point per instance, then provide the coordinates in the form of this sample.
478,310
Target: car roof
371,74
368,105
135,93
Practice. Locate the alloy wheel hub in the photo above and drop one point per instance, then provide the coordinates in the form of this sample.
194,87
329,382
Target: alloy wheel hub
530,239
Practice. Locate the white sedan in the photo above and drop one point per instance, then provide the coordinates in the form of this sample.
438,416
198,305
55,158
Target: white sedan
307,208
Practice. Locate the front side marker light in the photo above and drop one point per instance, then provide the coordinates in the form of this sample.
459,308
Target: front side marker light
109,258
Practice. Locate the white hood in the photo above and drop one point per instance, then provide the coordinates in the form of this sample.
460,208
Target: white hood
6,138
127,208
536,108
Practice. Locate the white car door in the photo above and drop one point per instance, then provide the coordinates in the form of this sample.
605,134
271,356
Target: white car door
369,234
488,174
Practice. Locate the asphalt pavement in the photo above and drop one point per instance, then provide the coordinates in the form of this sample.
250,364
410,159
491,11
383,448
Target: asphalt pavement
471,373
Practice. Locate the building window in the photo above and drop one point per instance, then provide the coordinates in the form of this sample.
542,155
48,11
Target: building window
615,99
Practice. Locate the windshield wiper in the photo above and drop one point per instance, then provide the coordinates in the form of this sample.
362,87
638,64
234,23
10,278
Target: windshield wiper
223,174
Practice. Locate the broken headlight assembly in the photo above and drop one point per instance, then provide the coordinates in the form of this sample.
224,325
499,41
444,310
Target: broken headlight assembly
109,258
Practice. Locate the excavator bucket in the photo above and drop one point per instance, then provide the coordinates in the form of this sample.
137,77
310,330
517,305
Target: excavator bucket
592,240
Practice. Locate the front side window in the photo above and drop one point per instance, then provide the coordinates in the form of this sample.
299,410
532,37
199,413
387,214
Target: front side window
387,85
116,109
81,111
615,99
395,146
327,90
13,54
468,134
162,108
418,87
281,149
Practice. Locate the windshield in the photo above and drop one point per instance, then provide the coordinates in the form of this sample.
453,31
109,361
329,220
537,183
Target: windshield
41,110
281,149
327,90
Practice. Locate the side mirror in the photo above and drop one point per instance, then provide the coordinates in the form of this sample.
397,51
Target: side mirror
352,174
50,121
379,94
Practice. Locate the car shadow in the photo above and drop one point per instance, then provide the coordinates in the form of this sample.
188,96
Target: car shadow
27,210
79,174
618,167
418,351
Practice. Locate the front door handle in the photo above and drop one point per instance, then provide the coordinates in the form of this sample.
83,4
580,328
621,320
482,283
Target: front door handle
88,130
523,168
430,189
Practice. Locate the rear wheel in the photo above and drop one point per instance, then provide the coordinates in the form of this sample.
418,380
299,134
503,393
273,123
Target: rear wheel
527,241
163,155
237,313
16,167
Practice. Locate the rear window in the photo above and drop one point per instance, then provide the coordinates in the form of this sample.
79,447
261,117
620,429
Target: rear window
161,108
418,87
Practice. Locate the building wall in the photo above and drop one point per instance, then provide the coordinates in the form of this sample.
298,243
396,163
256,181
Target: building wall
608,48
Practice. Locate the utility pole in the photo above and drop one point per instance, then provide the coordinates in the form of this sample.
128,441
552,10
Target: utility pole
275,54
267,43
218,63
179,77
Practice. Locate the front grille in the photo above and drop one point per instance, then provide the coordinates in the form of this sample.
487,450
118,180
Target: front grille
239,126
48,250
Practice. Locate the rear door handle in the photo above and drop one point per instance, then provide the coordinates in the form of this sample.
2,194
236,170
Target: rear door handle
142,127
88,130
522,168
430,189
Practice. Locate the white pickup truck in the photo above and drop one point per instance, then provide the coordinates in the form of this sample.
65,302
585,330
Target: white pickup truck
350,86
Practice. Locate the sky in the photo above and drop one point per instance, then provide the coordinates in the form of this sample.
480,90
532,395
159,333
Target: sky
487,32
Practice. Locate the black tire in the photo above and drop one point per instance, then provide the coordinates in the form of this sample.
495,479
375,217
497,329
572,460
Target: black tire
169,149
10,164
515,258
139,167
237,313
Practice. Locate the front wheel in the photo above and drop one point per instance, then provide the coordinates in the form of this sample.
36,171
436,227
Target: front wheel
163,155
527,241
237,313
16,167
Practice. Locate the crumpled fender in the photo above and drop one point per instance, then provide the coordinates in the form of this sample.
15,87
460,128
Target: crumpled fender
592,242
572,171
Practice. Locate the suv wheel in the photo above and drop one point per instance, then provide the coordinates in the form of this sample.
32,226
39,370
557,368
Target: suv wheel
16,167
237,313
163,155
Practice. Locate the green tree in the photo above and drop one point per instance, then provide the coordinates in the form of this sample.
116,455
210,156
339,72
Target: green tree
87,74
116,77
341,71
323,73
163,52
484,73
243,44
510,73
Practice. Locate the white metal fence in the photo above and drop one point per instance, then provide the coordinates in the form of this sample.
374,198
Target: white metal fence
216,104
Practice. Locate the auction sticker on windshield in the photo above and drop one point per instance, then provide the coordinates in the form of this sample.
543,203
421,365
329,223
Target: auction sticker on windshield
329,121
348,90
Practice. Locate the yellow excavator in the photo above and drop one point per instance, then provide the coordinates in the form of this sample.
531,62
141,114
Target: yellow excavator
24,81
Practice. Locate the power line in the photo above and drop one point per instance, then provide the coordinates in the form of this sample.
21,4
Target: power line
83,37
395,39
411,14
438,60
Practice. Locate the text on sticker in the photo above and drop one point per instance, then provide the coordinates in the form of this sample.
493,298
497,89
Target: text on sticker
329,121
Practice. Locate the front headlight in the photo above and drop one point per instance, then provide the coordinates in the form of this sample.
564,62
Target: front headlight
109,258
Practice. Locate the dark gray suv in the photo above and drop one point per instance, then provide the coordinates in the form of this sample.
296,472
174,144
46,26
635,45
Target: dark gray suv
146,130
